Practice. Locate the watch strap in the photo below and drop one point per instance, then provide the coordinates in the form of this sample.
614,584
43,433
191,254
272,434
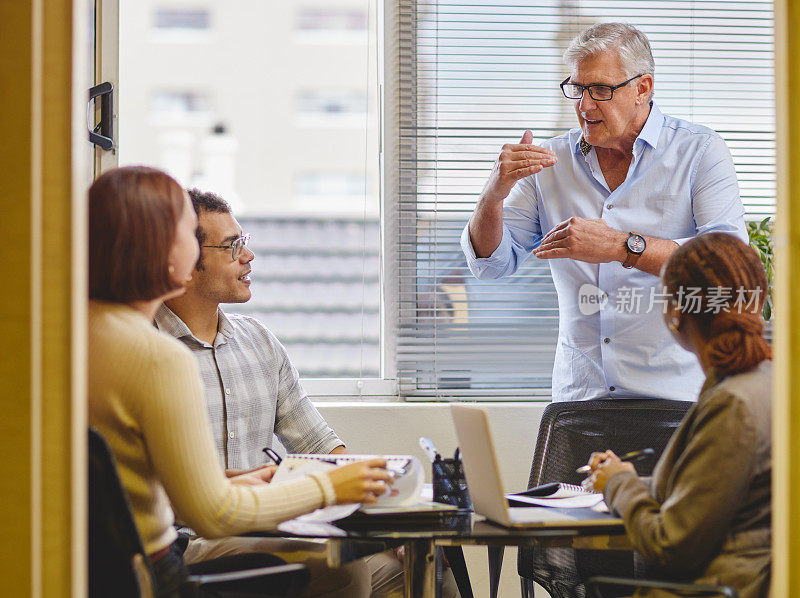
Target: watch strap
631,260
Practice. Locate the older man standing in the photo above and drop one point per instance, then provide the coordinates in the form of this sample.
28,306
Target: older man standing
606,204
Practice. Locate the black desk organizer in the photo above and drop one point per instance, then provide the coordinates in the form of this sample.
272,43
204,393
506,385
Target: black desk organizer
449,482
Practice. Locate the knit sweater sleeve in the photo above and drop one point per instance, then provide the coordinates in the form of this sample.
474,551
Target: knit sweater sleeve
178,437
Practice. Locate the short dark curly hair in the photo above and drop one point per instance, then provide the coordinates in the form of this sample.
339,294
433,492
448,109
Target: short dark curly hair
206,201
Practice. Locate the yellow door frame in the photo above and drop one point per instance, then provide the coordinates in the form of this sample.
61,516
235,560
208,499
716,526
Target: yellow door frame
786,396
43,70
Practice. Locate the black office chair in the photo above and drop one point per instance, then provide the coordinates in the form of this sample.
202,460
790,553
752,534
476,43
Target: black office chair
119,567
569,432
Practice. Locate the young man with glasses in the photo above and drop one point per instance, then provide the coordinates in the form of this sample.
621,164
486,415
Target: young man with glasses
252,390
253,393
607,203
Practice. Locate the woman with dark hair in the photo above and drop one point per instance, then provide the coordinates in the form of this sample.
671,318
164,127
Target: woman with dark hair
705,515
145,394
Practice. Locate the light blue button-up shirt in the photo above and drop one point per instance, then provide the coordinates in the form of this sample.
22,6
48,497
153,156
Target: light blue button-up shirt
612,341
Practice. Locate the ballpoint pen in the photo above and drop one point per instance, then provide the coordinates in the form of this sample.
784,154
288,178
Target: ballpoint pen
271,454
430,450
632,457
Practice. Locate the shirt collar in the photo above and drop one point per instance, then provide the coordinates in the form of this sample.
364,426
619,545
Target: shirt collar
170,323
167,321
650,132
225,328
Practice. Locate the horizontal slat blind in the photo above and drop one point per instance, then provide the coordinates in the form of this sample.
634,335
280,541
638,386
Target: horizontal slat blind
475,75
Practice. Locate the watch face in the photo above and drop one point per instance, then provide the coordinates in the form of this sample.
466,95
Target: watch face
636,243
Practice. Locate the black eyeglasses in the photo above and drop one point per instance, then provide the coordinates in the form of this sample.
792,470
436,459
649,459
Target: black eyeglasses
236,247
599,93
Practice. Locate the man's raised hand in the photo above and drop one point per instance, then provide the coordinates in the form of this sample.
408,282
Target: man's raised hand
516,161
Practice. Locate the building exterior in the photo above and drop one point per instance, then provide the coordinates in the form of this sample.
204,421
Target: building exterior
273,106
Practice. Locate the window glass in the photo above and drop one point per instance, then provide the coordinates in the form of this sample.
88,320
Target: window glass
284,127
182,18
353,19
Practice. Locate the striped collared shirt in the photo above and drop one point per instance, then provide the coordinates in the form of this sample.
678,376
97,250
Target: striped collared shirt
252,391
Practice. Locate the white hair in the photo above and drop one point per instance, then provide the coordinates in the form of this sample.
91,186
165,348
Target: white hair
626,40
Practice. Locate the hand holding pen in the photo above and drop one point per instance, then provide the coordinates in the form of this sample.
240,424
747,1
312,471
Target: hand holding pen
602,466
633,457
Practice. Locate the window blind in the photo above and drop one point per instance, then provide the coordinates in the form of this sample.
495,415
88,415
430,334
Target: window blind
475,75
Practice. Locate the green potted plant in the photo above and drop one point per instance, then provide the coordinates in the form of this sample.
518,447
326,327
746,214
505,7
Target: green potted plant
760,234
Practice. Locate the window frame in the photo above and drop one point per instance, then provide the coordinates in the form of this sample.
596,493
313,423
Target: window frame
385,387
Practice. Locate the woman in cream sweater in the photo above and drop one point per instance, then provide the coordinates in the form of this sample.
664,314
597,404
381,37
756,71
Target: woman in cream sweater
145,394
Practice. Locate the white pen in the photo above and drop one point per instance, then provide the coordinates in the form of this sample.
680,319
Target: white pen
632,457
430,450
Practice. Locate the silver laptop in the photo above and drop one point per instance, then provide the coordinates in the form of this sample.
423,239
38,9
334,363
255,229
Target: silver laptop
486,487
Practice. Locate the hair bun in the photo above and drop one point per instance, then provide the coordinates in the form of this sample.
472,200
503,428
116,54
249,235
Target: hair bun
736,342
746,322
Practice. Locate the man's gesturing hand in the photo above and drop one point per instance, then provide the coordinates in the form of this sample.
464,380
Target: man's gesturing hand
584,240
363,481
516,161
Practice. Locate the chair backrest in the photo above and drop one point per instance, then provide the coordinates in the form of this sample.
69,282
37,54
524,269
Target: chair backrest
570,431
115,548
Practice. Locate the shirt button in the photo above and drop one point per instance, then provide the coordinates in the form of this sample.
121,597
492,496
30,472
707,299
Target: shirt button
609,206
227,391
606,340
232,435
611,388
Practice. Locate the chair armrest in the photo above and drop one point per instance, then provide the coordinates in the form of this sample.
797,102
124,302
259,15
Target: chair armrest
594,583
211,579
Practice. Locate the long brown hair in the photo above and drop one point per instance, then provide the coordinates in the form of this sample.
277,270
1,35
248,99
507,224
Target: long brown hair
696,273
133,214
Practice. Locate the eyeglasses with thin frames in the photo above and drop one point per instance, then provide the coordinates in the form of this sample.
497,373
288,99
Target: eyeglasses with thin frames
599,93
237,246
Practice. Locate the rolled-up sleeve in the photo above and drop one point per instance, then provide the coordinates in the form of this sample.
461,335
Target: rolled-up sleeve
716,203
521,234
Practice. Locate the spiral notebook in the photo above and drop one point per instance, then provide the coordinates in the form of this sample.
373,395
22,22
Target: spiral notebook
406,469
565,496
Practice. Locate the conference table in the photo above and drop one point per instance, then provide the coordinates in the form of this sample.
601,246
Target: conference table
357,536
